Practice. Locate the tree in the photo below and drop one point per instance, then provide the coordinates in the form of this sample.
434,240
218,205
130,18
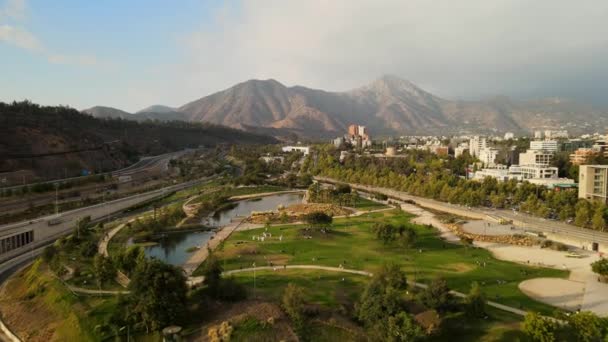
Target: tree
212,272
582,213
475,301
600,267
598,221
587,327
158,294
318,219
407,236
81,225
402,328
385,232
293,304
382,295
539,328
437,295
104,269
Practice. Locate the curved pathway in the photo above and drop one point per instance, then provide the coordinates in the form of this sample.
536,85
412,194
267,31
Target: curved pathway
368,274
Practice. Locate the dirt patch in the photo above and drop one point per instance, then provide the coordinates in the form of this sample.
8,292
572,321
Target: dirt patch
458,267
296,212
236,313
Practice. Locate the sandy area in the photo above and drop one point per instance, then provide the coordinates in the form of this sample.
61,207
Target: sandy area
580,290
482,227
562,293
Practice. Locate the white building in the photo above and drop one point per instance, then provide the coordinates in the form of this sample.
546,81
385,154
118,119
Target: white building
553,182
544,145
488,156
476,144
550,134
501,173
538,134
533,171
535,157
303,149
460,150
509,135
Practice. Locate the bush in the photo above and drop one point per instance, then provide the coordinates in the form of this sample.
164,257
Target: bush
231,290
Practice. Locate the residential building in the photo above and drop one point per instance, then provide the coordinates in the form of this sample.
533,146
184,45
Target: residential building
476,144
593,182
460,150
582,156
509,135
538,134
338,142
303,149
440,150
544,145
488,156
535,157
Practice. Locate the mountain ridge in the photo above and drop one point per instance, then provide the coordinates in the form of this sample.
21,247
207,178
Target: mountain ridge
388,105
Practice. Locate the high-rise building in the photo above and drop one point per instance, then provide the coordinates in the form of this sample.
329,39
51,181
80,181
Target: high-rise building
460,150
593,182
476,144
538,134
353,130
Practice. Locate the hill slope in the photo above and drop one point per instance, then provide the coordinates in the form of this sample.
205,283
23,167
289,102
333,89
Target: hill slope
27,129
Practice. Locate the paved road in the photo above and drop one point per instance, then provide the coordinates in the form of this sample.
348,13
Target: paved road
531,223
43,232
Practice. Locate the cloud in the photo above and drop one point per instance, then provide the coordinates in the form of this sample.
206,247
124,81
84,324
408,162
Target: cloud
457,48
20,37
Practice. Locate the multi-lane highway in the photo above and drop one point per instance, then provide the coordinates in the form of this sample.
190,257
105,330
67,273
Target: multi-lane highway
44,230
554,229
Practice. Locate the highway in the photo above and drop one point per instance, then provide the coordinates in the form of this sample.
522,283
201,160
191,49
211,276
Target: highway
553,229
43,232
142,165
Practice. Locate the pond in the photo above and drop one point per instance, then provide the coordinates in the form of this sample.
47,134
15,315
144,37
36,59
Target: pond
174,248
245,207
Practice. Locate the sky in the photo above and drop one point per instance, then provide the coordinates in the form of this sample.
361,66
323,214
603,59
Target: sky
136,53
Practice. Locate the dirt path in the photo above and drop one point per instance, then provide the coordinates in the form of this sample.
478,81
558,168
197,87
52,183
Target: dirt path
265,194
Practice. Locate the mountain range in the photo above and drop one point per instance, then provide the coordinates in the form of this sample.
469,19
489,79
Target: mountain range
388,106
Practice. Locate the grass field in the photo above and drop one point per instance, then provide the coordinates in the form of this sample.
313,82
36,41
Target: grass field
352,244
52,311
365,204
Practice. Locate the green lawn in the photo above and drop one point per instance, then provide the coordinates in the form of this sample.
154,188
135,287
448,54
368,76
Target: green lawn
352,244
365,204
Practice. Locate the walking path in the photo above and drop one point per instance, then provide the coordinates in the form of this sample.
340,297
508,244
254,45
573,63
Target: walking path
95,292
264,194
364,273
202,253
580,291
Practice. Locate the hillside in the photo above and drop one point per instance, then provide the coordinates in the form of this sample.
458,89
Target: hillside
156,112
28,130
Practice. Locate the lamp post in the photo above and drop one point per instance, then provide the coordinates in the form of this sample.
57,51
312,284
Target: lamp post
254,280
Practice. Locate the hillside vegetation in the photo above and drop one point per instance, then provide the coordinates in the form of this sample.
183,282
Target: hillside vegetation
34,137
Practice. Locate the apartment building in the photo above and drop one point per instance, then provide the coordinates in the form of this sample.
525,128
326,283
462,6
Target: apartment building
476,144
582,156
535,157
544,145
593,182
